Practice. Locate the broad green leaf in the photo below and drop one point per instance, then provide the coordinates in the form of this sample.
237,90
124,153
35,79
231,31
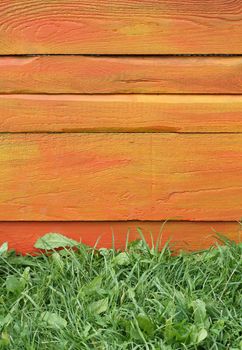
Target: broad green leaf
5,339
202,334
14,285
98,307
25,277
3,248
134,333
93,286
131,293
136,245
53,320
22,261
56,257
104,251
199,312
179,331
130,329
217,326
54,240
169,331
4,321
122,259
86,330
145,324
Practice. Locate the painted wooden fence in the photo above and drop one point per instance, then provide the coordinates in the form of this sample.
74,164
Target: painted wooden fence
120,114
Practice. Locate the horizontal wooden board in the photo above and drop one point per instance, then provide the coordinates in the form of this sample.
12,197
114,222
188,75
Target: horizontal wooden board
120,113
181,235
120,177
120,27
83,74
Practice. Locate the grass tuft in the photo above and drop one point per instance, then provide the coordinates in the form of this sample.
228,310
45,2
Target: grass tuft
137,299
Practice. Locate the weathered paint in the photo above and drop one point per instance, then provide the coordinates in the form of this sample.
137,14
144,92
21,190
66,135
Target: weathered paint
121,113
83,74
181,235
93,179
120,27
120,177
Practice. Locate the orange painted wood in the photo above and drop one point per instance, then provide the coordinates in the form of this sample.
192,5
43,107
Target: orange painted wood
120,113
120,27
83,74
145,176
181,235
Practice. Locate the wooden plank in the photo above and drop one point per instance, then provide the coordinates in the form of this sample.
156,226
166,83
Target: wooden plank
116,177
120,27
120,113
83,74
181,235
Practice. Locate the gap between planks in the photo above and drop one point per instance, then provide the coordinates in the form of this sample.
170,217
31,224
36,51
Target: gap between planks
121,55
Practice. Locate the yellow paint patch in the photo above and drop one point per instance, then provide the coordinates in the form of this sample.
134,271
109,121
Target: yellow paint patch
9,151
137,29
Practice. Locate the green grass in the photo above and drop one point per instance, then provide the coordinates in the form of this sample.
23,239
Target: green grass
138,299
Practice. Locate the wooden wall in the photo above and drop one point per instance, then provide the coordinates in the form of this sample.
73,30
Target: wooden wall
120,114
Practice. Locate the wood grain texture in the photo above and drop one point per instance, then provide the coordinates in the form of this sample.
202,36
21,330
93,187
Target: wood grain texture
83,74
187,236
116,177
120,113
120,27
